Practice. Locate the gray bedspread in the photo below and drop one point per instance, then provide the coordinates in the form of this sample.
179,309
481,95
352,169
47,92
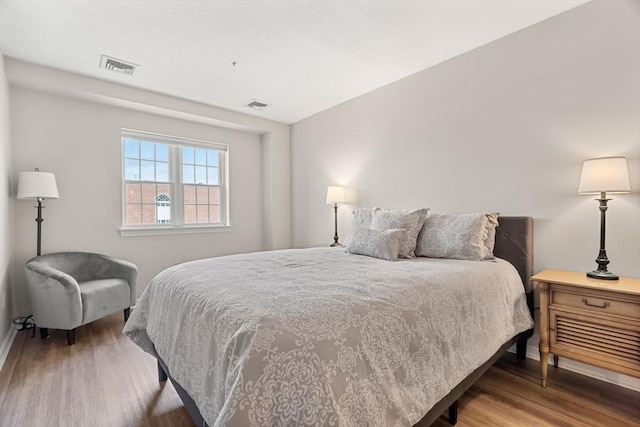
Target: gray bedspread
320,337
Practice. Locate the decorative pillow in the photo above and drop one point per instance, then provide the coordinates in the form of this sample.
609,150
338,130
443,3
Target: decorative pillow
455,236
411,221
383,244
361,218
490,241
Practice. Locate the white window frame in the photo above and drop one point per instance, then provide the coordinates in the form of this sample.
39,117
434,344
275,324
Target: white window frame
175,181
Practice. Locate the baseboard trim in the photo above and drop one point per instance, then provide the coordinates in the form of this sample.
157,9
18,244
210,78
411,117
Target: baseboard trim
621,380
6,344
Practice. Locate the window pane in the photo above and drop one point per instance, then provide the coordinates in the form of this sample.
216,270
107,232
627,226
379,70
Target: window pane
147,170
202,195
201,156
187,155
131,170
148,214
148,193
214,195
189,195
162,152
203,214
214,213
188,174
189,214
212,157
201,175
164,189
146,150
134,214
212,175
162,171
131,149
133,193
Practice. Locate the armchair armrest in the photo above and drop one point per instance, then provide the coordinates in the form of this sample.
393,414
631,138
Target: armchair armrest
55,296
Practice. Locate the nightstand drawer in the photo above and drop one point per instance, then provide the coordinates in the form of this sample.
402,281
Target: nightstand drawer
596,302
594,338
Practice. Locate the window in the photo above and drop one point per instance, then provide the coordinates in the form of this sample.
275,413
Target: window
172,184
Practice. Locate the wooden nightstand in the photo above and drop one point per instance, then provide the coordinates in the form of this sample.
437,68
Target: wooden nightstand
589,320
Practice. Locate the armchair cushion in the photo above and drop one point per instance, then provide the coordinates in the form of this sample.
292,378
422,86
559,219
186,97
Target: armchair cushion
103,297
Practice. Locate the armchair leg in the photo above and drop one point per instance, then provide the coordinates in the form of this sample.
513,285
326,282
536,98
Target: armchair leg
127,312
71,337
44,333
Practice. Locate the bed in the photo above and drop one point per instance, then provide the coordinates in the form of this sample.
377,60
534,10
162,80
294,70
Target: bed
321,337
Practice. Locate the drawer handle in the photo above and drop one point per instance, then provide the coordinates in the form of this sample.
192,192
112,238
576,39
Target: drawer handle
603,305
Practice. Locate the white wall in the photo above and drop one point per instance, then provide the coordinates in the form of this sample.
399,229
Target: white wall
5,197
503,128
75,133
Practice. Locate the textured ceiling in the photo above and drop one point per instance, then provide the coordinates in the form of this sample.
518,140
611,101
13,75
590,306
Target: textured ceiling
301,56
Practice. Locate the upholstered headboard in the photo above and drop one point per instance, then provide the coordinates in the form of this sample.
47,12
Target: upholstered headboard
514,242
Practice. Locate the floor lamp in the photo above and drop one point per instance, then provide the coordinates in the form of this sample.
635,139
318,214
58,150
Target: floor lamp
335,197
601,176
38,186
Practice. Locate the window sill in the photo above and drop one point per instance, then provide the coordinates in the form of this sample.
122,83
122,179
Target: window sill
158,231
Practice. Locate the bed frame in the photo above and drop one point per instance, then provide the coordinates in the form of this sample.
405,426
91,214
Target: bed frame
514,243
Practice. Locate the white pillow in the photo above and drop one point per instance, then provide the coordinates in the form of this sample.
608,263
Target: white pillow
411,221
361,218
383,244
463,236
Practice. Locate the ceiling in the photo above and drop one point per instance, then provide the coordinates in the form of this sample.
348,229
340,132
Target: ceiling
300,56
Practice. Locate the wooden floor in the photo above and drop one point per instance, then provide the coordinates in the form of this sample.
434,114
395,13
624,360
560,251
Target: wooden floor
105,380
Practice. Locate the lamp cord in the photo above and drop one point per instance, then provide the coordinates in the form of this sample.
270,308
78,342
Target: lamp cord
25,322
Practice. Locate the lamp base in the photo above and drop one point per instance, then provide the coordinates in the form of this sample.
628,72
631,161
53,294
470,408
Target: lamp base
602,275
333,245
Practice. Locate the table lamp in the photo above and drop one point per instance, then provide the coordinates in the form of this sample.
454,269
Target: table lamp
335,197
604,175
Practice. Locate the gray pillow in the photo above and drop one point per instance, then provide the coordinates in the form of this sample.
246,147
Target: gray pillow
455,236
383,244
411,221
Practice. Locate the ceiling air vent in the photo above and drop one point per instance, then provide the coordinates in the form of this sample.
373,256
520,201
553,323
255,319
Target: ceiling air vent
257,105
117,65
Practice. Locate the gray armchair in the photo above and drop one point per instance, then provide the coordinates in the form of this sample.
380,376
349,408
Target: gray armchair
71,289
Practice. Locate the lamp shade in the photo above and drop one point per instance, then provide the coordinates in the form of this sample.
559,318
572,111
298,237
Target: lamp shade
335,195
36,184
604,175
